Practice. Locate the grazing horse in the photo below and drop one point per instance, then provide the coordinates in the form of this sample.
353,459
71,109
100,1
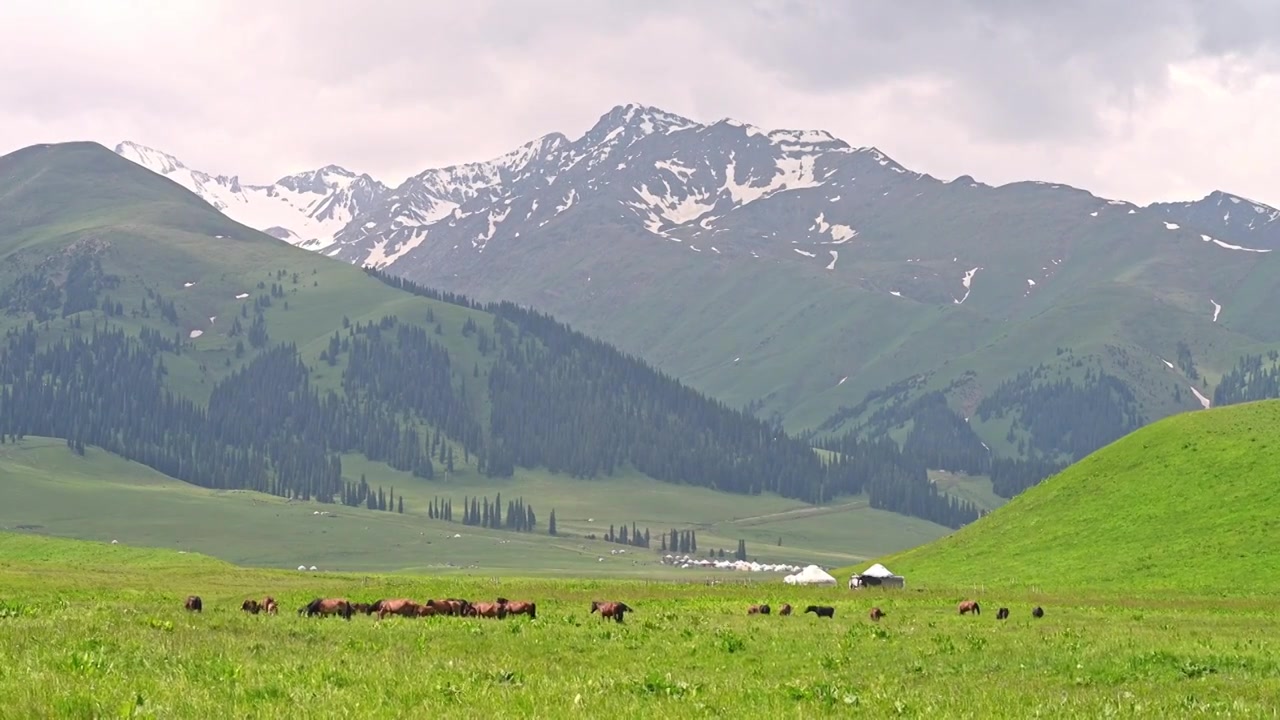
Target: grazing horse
328,606
438,607
785,609
269,605
426,610
822,611
193,604
1002,613
969,606
251,606
615,610
399,606
876,614
458,606
758,610
522,607
1037,612
488,610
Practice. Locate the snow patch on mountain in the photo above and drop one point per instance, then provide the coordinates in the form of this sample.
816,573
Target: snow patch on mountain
967,282
1229,246
839,234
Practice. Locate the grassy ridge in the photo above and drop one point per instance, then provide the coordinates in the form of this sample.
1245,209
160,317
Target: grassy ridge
1187,503
98,631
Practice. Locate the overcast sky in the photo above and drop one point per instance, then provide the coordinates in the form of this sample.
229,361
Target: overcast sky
1137,99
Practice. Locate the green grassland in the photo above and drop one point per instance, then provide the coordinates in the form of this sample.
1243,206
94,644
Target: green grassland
1186,504
98,630
46,488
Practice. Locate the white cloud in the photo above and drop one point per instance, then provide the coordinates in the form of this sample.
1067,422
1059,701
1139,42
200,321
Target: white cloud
1144,100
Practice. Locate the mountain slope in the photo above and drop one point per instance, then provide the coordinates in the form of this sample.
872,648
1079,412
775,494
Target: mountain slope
831,290
1186,503
141,320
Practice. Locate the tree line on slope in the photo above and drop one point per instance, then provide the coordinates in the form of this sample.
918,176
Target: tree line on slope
578,405
1255,377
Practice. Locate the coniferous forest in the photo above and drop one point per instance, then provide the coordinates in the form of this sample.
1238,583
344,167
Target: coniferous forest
555,399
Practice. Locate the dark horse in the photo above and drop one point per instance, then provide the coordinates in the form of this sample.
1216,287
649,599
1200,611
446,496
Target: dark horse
758,610
251,606
1038,612
822,611
1002,613
328,606
614,610
193,603
969,606
876,614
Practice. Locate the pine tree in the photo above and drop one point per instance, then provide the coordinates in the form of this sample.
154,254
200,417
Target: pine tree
551,522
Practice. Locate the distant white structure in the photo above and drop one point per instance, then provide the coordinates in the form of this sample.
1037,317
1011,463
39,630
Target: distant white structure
688,561
876,576
811,575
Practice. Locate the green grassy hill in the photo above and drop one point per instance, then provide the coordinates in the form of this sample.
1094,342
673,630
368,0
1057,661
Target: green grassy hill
140,320
1185,504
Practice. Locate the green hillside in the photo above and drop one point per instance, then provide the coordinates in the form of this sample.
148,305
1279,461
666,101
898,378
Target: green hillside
1185,504
139,320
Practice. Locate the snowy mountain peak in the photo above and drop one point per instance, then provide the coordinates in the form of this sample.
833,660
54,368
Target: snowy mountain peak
149,158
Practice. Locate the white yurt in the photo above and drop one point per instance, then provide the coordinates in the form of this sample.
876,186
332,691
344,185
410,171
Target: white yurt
811,575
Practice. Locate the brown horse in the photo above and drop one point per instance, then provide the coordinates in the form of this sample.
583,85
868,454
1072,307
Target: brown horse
438,607
193,604
758,610
969,606
426,610
458,606
328,606
269,605
785,609
615,610
488,610
403,607
251,606
522,607
876,614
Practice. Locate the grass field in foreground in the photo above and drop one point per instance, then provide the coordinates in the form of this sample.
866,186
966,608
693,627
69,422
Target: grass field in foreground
93,630
47,489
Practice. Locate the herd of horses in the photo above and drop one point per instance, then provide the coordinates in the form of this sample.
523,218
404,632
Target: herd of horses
502,607
405,607
826,611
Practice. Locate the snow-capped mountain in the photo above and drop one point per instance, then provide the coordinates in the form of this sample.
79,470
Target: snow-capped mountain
306,209
1228,217
791,271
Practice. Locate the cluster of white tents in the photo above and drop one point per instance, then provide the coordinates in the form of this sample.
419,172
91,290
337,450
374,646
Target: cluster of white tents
685,561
